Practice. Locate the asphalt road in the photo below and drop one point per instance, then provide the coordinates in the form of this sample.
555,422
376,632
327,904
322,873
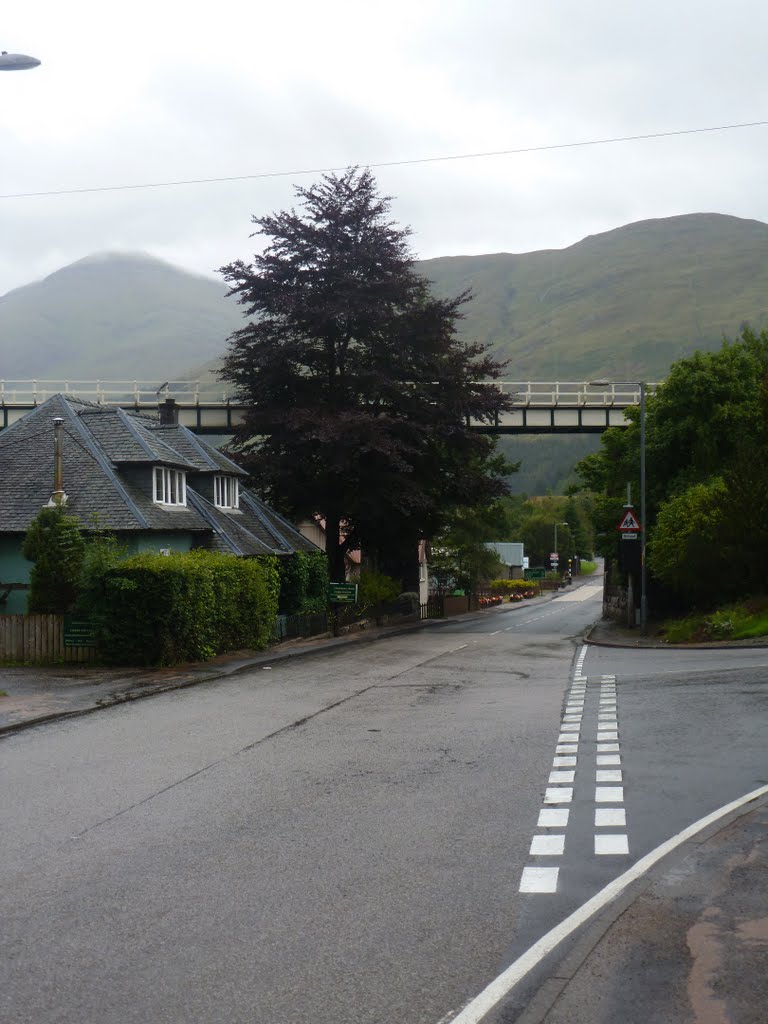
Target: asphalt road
342,839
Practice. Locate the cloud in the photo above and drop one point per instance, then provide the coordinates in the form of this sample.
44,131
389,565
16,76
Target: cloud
166,94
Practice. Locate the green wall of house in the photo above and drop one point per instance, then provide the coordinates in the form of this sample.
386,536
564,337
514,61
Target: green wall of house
137,543
14,567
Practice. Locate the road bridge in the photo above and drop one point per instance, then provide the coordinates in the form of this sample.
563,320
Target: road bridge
540,407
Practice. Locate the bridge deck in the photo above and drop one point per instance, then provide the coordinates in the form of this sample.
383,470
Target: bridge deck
540,407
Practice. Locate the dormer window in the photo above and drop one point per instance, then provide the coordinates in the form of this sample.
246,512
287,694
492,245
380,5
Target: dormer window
226,492
169,486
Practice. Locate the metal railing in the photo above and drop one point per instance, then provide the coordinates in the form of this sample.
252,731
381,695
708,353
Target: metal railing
547,394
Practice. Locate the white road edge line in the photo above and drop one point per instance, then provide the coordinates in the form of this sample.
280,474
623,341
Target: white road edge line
501,986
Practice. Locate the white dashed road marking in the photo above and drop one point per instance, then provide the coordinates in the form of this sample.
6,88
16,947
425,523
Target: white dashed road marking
608,781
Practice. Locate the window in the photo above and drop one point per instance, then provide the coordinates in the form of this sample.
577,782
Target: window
169,486
226,492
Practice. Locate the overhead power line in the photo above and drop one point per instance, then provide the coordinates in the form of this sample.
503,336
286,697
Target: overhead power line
386,163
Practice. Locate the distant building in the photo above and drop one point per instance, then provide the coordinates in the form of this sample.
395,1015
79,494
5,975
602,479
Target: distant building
147,479
512,556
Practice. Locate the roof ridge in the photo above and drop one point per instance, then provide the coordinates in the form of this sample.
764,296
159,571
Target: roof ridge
257,511
136,431
214,516
106,465
283,521
201,504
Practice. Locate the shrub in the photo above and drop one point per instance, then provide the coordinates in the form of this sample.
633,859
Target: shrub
152,609
303,583
102,552
55,544
376,588
514,586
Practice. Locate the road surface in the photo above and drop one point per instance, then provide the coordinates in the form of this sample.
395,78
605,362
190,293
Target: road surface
344,839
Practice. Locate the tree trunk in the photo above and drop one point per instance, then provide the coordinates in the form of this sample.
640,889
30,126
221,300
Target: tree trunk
334,549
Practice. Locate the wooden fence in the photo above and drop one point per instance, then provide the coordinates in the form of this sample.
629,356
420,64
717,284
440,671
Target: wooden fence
38,639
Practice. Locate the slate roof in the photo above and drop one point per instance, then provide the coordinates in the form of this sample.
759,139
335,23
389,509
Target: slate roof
105,452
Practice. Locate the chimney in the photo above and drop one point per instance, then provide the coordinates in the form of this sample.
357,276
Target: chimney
169,412
58,497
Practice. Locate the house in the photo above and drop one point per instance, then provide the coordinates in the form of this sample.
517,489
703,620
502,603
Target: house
147,479
512,557
314,530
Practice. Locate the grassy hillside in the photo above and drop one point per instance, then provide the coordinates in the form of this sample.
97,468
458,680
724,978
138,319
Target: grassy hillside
114,316
625,303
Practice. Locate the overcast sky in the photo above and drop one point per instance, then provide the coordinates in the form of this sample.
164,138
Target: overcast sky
154,92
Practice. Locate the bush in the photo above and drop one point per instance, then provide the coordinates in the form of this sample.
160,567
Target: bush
55,544
376,588
102,552
514,586
303,583
153,609
741,621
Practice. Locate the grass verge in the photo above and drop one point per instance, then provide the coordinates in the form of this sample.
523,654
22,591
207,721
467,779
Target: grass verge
741,621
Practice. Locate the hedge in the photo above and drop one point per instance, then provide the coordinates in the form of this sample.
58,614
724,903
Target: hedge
159,610
303,583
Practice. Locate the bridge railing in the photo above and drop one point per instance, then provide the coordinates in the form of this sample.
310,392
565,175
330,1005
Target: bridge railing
572,393
547,394
113,392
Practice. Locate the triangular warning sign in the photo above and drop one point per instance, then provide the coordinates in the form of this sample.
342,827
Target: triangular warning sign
629,522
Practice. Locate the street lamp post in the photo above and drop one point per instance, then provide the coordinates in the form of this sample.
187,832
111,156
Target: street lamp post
556,526
642,385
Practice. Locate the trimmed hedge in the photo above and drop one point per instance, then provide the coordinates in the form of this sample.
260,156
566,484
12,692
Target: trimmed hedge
159,610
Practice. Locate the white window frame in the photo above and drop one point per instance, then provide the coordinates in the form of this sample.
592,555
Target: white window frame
226,492
169,487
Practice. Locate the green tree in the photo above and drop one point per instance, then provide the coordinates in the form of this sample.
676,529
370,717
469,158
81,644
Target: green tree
695,424
706,427
460,556
686,551
55,544
579,525
357,389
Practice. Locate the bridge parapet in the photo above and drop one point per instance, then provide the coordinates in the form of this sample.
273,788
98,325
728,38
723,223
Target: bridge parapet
542,407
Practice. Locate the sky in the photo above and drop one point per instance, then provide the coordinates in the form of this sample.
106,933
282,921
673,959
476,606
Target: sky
172,91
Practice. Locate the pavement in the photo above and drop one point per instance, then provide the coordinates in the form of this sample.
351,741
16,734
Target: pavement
686,943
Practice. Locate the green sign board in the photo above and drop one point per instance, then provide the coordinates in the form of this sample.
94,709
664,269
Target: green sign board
79,632
342,593
535,574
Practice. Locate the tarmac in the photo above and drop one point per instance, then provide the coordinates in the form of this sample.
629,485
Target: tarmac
685,943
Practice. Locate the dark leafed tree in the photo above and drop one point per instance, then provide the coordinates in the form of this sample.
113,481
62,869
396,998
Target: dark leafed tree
356,387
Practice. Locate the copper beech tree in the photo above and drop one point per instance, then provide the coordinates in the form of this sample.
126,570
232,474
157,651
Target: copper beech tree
357,390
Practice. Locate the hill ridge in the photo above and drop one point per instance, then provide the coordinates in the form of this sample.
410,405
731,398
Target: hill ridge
623,302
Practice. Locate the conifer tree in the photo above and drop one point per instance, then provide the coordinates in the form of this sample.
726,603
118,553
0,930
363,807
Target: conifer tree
358,392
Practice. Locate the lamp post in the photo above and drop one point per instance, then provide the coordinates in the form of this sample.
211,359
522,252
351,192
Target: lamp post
642,385
556,526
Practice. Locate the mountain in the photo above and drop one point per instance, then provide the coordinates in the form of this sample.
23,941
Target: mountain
114,316
623,304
